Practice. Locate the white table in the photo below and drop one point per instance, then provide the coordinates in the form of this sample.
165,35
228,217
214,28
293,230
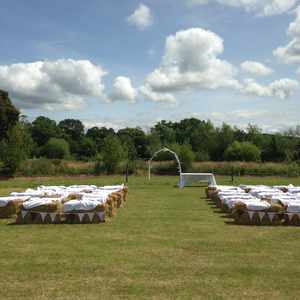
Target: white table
188,178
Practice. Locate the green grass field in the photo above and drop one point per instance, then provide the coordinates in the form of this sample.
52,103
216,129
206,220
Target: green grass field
166,244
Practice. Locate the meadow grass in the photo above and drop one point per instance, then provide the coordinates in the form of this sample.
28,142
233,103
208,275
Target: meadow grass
165,244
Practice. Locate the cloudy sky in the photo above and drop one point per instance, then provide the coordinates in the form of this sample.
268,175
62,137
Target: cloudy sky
132,63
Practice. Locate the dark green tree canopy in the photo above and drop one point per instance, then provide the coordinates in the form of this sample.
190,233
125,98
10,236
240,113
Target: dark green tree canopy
9,115
43,129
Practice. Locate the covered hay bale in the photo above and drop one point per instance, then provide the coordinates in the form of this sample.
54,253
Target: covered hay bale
294,220
242,218
276,208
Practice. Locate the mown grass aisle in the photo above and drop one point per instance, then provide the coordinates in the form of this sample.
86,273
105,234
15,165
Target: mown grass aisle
166,244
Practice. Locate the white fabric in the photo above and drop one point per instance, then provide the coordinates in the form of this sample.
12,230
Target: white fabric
35,202
257,206
188,178
76,205
293,207
5,200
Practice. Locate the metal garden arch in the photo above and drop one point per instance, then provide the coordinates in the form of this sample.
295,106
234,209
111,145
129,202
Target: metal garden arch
165,149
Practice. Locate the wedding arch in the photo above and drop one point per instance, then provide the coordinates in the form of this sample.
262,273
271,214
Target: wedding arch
165,149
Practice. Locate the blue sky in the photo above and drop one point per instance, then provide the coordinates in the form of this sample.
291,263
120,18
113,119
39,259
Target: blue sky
132,63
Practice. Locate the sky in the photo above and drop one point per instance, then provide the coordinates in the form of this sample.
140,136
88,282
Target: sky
133,63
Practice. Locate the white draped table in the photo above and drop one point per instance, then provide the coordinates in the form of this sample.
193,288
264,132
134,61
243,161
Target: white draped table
188,178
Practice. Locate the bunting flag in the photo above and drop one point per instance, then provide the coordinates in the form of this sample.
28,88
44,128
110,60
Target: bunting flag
261,215
101,215
251,213
290,215
43,216
80,215
24,213
271,216
91,216
52,216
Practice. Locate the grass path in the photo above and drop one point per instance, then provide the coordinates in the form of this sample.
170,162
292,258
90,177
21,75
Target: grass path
166,244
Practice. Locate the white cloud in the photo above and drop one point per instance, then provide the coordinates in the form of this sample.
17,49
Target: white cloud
49,84
123,90
290,53
282,88
142,17
191,61
149,94
259,7
255,68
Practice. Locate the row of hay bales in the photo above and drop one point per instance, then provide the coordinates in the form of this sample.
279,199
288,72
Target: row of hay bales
60,204
258,204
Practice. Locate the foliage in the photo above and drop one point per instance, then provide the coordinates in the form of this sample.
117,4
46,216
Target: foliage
9,115
43,129
56,148
112,154
244,151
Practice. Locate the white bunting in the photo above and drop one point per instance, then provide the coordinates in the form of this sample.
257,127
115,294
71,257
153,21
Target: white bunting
271,216
81,215
24,213
290,216
43,216
251,213
101,215
91,216
261,214
52,216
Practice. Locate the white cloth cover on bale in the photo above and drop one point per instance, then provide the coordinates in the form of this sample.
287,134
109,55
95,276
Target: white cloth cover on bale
113,187
257,205
293,207
188,178
77,205
35,202
5,200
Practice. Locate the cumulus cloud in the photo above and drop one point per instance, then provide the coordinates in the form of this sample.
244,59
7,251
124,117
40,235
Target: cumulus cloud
163,97
141,18
191,61
255,68
123,90
259,7
47,84
290,53
282,88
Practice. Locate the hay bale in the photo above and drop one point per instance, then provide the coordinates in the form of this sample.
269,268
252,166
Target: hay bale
294,221
256,219
242,218
276,208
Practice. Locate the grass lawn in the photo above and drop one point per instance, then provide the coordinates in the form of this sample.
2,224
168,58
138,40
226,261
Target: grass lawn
166,244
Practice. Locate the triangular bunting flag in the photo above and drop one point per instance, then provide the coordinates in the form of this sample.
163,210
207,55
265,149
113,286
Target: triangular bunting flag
80,215
298,216
52,216
101,216
251,213
43,216
24,213
271,216
290,216
91,216
261,214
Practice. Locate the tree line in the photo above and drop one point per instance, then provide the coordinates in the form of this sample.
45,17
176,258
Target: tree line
192,139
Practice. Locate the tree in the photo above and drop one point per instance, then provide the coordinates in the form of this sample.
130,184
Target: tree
98,135
9,115
72,128
112,154
56,149
43,129
244,151
87,148
15,149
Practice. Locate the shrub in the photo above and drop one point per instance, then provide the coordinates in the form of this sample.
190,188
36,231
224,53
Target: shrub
244,151
56,148
112,154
